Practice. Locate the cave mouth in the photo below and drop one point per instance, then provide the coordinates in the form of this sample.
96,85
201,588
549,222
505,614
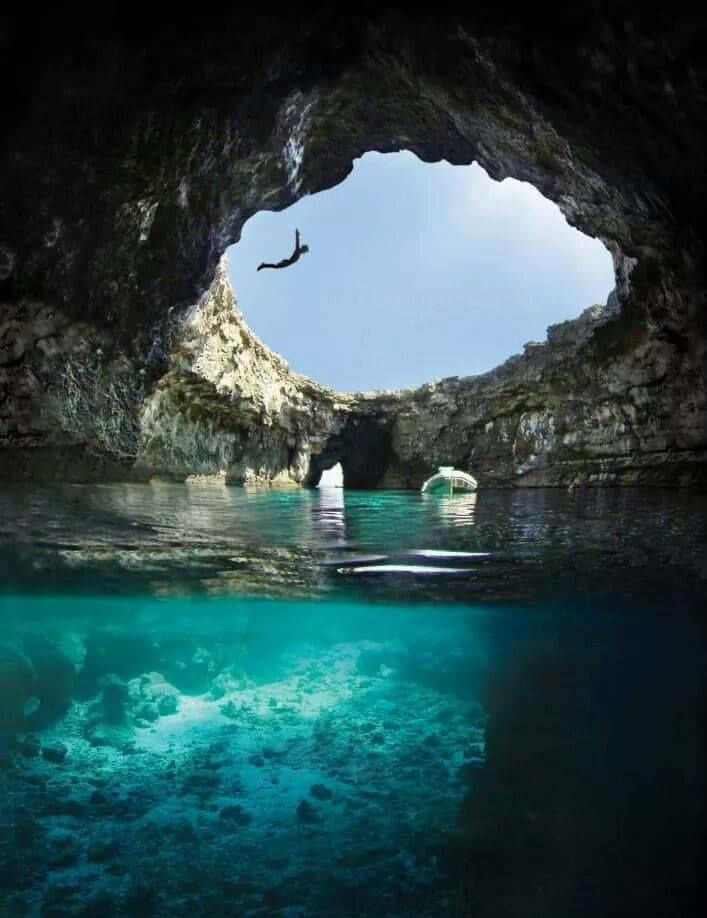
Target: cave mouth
362,449
415,272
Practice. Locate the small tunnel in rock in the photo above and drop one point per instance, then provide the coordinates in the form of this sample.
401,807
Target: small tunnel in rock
363,448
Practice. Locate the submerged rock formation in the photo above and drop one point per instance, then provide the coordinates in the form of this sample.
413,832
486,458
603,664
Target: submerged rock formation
132,157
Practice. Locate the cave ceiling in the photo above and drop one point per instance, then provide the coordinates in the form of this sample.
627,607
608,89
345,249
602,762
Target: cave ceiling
135,146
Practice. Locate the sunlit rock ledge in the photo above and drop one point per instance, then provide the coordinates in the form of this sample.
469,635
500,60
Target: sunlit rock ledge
570,410
554,415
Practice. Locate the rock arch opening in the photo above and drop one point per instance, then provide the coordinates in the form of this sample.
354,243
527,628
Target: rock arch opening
362,448
332,477
416,272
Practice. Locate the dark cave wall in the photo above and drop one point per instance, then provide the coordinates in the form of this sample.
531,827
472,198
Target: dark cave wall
363,447
133,154
133,151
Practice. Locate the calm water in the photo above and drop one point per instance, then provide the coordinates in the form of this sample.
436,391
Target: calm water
216,701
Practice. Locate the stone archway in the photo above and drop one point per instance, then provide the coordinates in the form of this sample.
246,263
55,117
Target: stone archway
362,448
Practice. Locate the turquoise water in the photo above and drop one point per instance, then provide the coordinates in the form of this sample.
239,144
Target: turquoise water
216,701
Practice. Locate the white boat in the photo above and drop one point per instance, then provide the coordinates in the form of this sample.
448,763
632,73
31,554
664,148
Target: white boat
448,480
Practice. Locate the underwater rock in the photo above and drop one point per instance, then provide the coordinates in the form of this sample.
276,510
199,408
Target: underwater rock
190,669
72,807
140,899
101,850
121,654
230,709
55,676
61,899
15,906
201,782
476,750
31,706
570,802
236,815
17,680
72,646
146,714
54,752
64,848
99,905
29,746
26,827
106,722
468,771
307,813
167,705
152,697
114,697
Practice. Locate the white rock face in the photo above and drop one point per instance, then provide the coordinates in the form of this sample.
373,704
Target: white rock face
230,405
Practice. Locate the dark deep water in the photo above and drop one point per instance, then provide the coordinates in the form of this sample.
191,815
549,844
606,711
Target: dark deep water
216,701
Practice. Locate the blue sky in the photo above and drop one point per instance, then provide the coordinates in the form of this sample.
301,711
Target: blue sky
415,272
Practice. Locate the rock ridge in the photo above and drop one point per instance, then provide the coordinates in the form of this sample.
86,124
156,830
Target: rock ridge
560,413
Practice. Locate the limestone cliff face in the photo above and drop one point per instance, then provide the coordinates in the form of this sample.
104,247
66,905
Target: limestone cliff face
69,398
567,410
577,408
228,405
131,157
563,412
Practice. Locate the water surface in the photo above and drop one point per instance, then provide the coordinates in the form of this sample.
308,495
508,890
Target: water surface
217,701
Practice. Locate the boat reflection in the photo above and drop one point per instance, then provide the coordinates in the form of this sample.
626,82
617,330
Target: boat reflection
459,510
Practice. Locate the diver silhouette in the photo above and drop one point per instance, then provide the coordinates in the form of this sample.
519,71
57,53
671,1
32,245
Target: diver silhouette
286,262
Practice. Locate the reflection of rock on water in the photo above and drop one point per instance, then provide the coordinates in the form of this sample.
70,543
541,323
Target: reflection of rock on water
329,511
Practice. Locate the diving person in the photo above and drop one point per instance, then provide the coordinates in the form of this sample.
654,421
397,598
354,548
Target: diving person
286,262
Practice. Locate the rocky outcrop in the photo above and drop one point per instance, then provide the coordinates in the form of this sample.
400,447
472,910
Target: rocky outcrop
229,406
568,410
69,398
132,157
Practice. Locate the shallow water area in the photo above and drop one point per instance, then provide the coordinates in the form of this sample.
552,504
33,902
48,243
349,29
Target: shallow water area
217,701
